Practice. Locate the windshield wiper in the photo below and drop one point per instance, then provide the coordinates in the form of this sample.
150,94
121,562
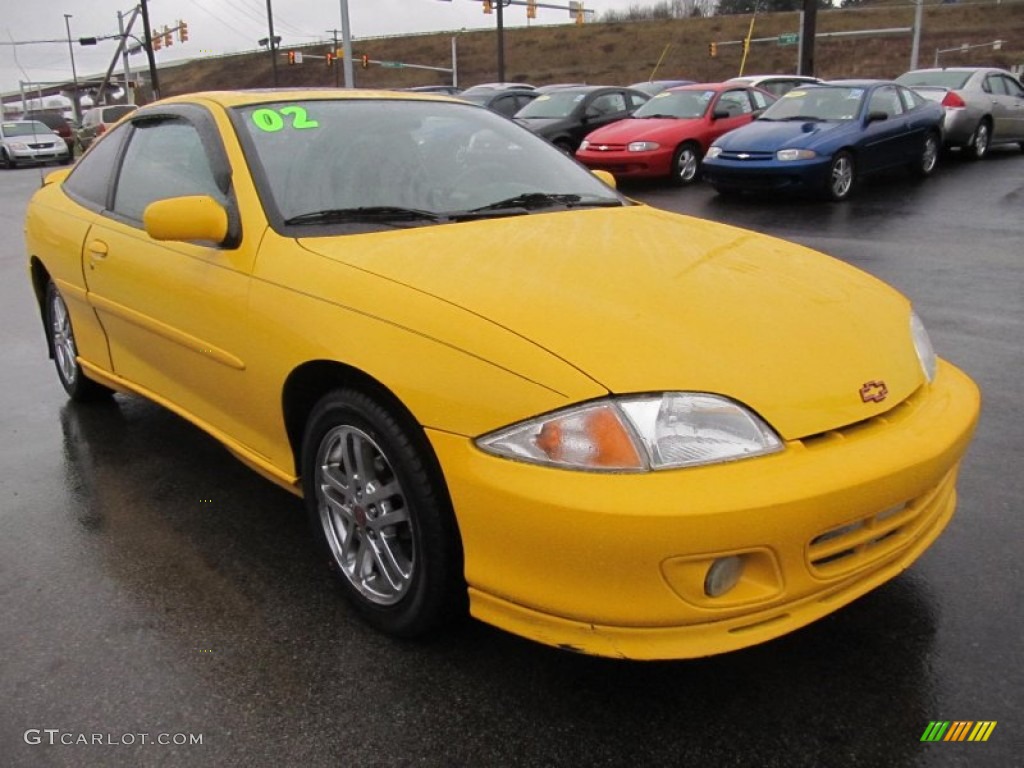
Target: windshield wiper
533,201
661,117
375,213
804,119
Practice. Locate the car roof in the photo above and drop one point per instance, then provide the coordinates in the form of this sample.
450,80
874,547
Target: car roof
240,98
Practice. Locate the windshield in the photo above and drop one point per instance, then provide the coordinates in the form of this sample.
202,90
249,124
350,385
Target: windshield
682,104
817,103
555,104
26,128
404,163
943,79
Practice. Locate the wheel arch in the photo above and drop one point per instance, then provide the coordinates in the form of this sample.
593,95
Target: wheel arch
40,277
307,384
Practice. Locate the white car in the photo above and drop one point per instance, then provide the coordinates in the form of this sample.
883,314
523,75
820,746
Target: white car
775,84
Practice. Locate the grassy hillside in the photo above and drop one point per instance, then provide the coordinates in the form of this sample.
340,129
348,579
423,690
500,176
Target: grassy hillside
629,51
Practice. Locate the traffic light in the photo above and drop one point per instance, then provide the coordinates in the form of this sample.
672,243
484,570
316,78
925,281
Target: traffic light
713,50
364,61
291,57
182,32
168,37
531,9
580,14
488,6
339,53
329,58
157,42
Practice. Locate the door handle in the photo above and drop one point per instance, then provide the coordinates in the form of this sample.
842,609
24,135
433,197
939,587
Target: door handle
97,252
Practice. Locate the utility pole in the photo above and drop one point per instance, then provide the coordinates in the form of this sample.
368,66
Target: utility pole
346,43
149,52
916,46
272,42
129,91
810,29
74,75
501,39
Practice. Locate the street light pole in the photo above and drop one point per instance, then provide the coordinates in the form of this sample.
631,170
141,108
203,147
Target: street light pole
74,75
501,41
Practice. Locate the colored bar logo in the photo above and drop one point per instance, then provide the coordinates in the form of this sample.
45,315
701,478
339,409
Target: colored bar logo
958,730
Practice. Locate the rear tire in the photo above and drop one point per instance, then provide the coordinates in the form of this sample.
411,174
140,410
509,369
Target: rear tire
381,515
978,146
925,165
61,336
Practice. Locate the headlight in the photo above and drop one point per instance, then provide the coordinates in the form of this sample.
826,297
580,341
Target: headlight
642,146
638,433
923,347
18,146
785,155
584,144
714,151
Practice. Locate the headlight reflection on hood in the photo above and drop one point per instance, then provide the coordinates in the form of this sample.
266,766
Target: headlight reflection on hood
638,433
923,347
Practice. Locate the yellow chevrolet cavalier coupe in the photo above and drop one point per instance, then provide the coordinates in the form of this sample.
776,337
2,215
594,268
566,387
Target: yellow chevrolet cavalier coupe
495,381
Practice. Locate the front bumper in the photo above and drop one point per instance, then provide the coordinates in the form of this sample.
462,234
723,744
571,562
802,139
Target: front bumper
47,154
625,164
614,565
758,175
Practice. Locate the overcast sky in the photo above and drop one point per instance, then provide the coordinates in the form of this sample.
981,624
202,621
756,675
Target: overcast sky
226,26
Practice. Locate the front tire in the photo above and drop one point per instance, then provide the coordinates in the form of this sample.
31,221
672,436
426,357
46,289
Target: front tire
686,164
5,159
842,176
381,514
65,352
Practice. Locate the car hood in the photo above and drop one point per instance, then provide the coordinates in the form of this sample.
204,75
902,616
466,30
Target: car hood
768,136
543,125
641,300
643,129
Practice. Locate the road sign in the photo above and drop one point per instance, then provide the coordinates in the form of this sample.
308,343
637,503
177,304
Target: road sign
392,64
789,38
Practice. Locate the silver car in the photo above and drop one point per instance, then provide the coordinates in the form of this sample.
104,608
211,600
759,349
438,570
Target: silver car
30,141
984,106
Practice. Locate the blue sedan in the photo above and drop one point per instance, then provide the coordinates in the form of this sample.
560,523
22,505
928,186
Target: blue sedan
826,138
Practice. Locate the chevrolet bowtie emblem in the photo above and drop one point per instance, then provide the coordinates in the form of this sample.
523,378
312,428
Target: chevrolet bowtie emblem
742,155
874,391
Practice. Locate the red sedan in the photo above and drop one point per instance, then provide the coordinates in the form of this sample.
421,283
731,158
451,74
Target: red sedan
669,135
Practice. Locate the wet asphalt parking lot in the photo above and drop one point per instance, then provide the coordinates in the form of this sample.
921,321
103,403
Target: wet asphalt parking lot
153,589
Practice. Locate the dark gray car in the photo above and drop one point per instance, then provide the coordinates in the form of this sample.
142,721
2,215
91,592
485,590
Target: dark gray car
984,106
564,116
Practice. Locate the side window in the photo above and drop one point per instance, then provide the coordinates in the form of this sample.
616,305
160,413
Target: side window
89,181
760,102
994,85
608,104
885,99
910,99
1013,87
638,100
164,159
505,105
735,103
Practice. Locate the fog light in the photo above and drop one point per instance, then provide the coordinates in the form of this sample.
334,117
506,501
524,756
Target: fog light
723,575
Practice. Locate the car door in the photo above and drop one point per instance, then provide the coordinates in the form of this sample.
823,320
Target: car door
886,142
1001,106
174,313
730,110
1016,93
601,108
1014,108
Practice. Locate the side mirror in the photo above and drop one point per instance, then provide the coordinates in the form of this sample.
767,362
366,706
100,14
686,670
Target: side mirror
56,177
720,114
606,177
874,117
197,217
